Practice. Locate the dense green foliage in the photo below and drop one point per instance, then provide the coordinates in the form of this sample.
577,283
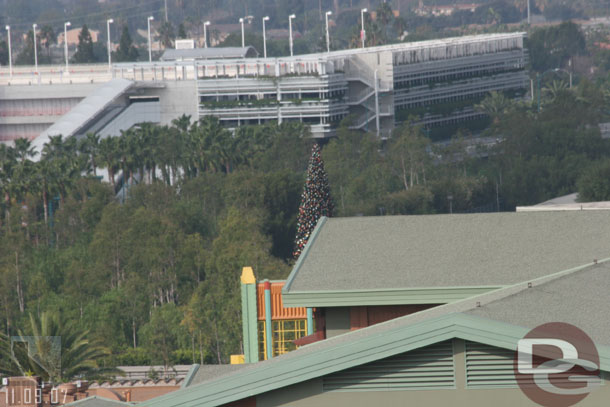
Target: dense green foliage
552,47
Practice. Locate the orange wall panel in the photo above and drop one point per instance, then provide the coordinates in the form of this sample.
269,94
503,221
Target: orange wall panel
277,306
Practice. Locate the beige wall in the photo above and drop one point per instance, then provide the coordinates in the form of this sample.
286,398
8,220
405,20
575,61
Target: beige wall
310,394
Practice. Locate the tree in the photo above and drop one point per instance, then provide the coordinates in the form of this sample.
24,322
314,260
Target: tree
315,200
494,105
3,53
166,34
594,184
127,51
57,350
181,31
89,146
162,335
109,157
26,56
84,52
554,90
47,38
552,47
408,151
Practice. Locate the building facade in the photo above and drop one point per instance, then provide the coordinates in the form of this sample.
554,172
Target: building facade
436,83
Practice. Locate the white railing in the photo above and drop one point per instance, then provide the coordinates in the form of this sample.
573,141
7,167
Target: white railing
54,74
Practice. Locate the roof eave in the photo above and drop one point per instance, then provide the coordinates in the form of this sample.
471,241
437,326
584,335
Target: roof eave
401,296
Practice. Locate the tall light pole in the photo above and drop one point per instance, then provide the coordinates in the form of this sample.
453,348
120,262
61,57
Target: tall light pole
266,18
243,38
108,22
290,17
66,25
328,13
362,33
35,48
151,18
10,57
529,19
205,34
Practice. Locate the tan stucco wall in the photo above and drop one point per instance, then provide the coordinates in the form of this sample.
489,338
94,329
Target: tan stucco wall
310,394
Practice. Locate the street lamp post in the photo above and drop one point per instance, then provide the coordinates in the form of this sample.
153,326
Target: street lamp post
205,34
328,13
10,57
363,33
108,22
243,38
266,18
290,17
151,18
35,48
66,25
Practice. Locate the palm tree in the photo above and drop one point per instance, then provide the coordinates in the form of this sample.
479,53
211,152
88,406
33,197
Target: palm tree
166,34
494,105
57,350
23,171
63,152
47,176
90,146
555,89
48,38
108,156
182,123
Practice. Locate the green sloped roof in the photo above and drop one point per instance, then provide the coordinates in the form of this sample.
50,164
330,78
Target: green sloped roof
456,320
446,251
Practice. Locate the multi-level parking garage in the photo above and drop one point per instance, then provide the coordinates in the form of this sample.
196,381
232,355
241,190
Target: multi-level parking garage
375,88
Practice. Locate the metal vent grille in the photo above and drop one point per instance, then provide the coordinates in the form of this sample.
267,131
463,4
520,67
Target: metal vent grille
488,366
491,367
431,367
